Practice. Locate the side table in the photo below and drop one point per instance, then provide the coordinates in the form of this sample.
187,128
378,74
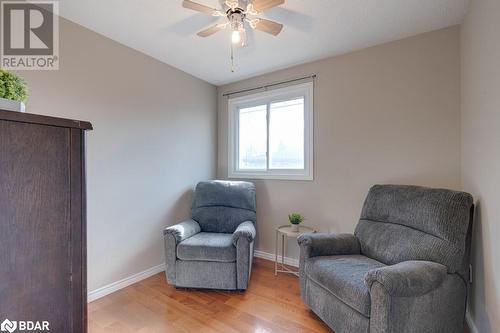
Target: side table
286,232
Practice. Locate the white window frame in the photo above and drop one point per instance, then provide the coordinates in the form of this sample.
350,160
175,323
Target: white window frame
268,97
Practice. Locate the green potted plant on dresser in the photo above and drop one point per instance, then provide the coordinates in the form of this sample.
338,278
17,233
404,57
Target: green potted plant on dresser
295,219
13,92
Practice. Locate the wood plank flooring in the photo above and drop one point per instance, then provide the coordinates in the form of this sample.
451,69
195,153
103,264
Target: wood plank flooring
271,304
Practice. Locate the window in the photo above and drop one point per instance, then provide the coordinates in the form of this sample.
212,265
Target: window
271,134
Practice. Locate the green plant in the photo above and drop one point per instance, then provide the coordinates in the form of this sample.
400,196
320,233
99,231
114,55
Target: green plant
12,87
295,218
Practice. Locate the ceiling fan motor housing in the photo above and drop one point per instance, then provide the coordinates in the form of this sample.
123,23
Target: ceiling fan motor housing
236,18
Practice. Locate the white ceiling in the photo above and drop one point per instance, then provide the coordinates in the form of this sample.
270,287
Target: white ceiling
314,29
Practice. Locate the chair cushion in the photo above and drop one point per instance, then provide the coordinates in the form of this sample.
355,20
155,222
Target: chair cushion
207,246
236,194
344,277
221,206
402,222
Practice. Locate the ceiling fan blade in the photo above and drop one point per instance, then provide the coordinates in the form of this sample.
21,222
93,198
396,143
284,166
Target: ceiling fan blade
199,7
262,5
212,30
270,27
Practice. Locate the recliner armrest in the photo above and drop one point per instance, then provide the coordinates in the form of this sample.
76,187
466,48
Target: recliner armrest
408,278
244,230
323,244
183,230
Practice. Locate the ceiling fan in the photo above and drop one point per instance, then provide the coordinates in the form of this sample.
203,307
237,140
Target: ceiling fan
238,15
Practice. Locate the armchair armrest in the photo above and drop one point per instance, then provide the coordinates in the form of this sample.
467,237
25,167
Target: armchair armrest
173,235
245,230
322,244
183,230
408,278
243,238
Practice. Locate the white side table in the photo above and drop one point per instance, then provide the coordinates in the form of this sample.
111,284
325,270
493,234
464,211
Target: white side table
286,232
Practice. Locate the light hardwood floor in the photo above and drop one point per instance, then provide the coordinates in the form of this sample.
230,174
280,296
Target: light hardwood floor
271,304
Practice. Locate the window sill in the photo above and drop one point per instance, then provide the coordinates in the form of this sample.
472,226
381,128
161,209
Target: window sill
281,176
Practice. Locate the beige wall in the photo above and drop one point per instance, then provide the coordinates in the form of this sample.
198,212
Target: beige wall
387,114
481,154
154,137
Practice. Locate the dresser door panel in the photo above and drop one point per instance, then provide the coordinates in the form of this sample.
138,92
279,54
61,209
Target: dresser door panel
35,231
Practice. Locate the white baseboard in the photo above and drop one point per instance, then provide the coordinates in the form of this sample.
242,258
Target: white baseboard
123,283
115,286
470,322
271,256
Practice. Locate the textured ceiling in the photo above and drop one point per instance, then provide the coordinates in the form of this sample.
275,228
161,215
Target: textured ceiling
314,29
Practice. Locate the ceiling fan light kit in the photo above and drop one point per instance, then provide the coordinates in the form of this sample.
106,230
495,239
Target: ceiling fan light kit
236,21
237,18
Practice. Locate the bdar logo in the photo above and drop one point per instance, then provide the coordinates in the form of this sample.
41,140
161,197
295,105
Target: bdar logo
8,326
24,325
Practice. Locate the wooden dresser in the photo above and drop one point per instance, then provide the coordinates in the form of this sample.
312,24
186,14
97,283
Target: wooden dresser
43,221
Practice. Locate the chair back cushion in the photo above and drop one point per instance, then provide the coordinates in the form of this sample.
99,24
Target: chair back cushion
221,206
401,222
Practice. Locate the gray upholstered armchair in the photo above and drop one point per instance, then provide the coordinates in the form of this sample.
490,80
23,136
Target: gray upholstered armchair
405,269
214,249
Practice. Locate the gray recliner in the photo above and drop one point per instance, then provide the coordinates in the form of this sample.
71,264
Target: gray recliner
405,269
214,249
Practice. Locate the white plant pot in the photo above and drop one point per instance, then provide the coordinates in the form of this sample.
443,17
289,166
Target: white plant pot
10,105
295,227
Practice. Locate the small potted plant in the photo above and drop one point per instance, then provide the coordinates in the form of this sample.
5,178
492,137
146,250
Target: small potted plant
13,92
295,219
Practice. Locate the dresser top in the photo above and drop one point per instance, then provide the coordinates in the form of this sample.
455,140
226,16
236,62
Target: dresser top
44,120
